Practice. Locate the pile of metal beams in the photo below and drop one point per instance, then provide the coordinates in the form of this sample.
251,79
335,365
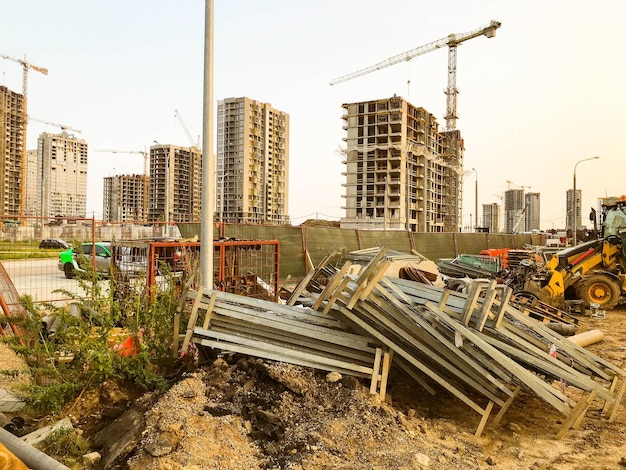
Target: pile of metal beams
477,346
296,335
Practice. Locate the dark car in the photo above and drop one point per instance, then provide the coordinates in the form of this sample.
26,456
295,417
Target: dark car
54,243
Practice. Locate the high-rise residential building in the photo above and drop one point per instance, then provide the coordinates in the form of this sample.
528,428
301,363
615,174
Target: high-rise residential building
123,198
572,221
402,172
12,153
175,186
32,206
491,217
252,179
62,172
514,210
532,211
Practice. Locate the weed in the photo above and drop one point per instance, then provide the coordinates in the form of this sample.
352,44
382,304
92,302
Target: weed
68,353
65,445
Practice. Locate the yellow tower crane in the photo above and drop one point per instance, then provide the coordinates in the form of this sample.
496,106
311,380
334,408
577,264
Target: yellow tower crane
145,174
452,41
25,68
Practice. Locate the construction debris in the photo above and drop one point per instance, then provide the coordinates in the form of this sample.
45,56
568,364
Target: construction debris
477,346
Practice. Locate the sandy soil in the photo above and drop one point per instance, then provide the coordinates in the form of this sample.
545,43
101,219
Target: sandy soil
243,413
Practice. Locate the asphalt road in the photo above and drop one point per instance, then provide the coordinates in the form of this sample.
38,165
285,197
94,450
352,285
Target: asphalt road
40,278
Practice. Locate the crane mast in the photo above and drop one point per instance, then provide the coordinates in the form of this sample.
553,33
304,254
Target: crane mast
25,67
452,41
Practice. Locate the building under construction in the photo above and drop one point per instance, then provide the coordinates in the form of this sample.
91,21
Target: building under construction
252,177
12,154
123,198
402,172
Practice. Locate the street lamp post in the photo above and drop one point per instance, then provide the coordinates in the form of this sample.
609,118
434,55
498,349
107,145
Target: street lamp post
575,199
476,200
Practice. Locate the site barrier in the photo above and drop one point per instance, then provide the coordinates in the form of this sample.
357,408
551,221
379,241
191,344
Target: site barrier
34,271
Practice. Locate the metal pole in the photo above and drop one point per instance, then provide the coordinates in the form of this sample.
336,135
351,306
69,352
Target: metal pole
208,159
476,201
575,201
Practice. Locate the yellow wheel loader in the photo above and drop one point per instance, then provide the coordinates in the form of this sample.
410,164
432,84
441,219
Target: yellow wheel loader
594,271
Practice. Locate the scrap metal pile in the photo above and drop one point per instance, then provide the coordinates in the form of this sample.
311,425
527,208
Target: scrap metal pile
477,346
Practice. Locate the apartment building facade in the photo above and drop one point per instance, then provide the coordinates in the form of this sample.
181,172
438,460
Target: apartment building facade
175,185
491,217
12,153
532,203
62,171
252,178
402,172
123,198
514,210
573,219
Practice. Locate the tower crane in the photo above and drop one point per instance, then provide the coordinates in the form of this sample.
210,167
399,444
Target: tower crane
145,173
63,127
452,41
25,67
194,144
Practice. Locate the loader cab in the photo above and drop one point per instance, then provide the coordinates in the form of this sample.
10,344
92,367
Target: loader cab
614,220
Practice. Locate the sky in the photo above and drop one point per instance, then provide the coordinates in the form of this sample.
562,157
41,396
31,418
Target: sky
545,93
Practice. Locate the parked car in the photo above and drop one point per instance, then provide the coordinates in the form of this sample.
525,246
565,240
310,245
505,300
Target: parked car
54,243
70,261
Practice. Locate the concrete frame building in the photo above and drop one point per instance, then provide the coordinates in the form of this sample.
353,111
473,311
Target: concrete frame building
123,198
402,173
252,179
491,217
532,211
175,186
12,153
572,223
514,204
62,173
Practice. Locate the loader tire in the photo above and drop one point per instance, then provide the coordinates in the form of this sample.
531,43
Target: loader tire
599,289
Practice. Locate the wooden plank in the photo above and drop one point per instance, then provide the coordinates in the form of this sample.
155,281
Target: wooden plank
334,281
234,348
618,401
376,371
412,360
265,335
438,356
543,390
487,303
306,329
304,282
425,325
580,409
485,416
506,406
193,318
385,373
209,311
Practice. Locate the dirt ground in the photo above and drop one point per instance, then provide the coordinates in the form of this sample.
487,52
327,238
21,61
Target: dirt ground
237,412
244,413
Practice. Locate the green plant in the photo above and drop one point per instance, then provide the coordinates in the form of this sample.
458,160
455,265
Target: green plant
78,353
65,446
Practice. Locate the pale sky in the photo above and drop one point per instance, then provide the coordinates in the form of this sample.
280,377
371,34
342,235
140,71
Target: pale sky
544,93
